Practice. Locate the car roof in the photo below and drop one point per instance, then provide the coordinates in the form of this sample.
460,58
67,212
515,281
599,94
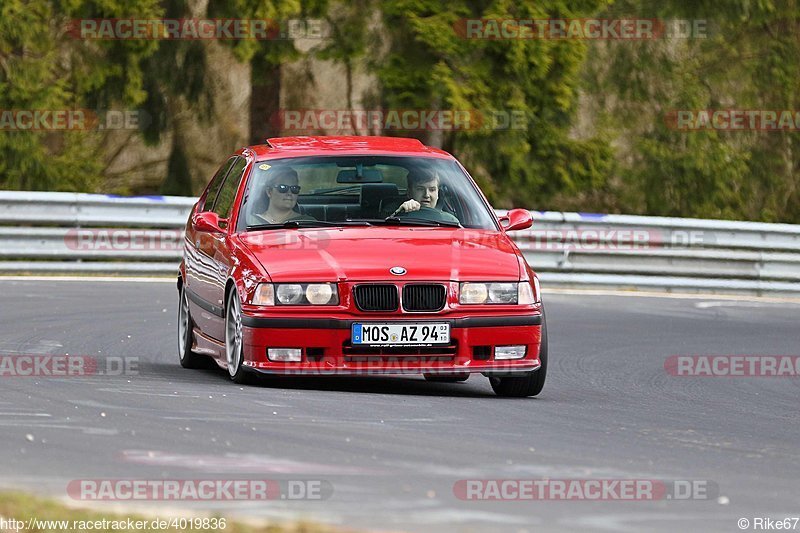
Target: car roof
279,147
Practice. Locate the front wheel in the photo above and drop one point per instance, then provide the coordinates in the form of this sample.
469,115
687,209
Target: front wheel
528,384
187,357
233,339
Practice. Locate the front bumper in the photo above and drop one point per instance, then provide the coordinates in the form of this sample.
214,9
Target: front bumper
327,350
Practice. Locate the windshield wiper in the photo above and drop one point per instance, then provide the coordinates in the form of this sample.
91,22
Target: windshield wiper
397,221
294,224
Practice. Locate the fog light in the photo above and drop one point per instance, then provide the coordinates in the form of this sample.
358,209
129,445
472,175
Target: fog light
509,352
285,355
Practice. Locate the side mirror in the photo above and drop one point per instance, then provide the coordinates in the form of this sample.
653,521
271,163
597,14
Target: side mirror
516,219
209,222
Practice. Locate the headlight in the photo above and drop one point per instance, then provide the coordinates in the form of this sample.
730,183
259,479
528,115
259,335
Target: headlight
473,293
503,293
296,294
306,294
289,294
319,293
496,293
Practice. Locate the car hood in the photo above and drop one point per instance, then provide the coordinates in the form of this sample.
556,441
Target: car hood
367,254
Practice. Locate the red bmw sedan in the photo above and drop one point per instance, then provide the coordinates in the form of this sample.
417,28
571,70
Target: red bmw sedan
354,256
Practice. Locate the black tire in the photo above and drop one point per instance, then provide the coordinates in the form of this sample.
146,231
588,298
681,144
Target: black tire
233,340
528,384
447,378
186,356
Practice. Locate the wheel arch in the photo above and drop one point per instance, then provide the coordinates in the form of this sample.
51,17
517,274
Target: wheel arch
181,275
230,284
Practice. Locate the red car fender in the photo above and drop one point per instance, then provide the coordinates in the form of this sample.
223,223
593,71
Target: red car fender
246,271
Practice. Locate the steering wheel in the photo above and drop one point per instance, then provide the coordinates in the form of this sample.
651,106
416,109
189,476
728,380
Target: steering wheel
426,213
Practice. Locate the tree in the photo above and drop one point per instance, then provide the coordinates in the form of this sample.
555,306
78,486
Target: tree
432,64
749,59
42,68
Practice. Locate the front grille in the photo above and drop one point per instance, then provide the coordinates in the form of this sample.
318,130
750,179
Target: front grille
376,297
424,297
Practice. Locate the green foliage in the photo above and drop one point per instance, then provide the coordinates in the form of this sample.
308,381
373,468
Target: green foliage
276,11
750,60
30,79
591,128
43,68
432,66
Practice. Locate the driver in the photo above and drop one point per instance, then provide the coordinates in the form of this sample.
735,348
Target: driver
423,191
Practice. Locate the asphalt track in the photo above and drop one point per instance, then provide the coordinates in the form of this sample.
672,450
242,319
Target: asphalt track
393,448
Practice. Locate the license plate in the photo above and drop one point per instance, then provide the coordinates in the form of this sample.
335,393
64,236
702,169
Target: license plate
401,334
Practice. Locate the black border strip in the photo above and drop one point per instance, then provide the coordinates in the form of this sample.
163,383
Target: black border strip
207,306
495,321
295,323
336,323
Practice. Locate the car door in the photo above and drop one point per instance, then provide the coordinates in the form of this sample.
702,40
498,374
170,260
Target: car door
214,248
200,270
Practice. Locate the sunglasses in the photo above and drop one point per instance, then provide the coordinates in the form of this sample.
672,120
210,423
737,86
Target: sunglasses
283,188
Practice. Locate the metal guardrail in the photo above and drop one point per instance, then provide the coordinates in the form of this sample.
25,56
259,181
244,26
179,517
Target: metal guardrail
93,210
99,234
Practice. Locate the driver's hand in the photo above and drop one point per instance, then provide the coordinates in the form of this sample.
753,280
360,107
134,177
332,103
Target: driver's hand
410,205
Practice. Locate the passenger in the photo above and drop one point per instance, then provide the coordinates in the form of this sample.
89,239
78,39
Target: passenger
281,198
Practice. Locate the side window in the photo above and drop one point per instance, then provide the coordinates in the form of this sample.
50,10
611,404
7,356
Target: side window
227,193
216,182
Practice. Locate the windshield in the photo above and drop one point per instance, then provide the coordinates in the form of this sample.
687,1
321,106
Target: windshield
387,190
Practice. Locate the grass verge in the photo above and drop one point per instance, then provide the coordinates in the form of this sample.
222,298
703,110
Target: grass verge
25,513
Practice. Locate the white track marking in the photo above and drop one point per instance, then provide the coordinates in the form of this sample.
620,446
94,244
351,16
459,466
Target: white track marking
674,295
706,305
